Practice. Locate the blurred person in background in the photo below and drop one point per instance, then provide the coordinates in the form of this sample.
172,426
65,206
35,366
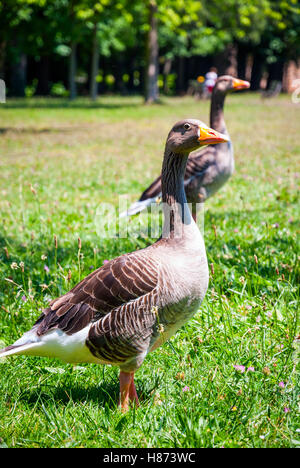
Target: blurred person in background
210,81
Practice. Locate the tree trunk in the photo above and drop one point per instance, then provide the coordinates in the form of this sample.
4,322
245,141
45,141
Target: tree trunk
291,76
275,72
257,72
43,78
181,76
72,71
226,61
166,72
241,62
118,72
18,76
2,59
94,65
151,91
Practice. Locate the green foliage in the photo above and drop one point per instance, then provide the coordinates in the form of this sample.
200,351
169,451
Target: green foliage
281,37
185,27
58,89
201,26
30,90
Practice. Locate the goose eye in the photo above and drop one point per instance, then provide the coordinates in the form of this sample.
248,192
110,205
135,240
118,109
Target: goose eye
186,126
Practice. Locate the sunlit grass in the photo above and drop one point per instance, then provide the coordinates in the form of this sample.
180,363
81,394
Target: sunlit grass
58,164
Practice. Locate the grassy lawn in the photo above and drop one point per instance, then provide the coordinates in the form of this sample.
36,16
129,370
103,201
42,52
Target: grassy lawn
58,162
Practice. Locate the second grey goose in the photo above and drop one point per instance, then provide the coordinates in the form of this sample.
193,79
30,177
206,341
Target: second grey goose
207,169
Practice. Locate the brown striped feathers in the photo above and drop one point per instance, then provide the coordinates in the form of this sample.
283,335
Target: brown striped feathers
119,281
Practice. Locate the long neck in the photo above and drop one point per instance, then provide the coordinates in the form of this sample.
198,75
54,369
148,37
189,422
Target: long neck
175,208
217,121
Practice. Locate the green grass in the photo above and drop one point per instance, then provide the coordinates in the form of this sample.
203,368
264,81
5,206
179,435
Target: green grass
59,161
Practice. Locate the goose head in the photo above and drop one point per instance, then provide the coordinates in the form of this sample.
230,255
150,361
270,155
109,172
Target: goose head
227,83
188,135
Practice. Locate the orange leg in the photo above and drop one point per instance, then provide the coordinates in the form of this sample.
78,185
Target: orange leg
127,390
132,392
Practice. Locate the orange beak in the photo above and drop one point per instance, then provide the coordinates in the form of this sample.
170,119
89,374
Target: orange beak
208,136
240,84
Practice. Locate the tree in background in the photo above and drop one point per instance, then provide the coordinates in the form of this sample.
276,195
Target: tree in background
280,40
151,86
168,26
14,17
269,30
105,25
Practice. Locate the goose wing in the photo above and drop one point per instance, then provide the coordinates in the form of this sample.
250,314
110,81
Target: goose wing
116,283
199,163
154,190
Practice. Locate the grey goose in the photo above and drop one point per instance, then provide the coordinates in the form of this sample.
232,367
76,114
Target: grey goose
133,303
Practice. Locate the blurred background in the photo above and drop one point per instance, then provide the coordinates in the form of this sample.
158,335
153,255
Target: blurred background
147,47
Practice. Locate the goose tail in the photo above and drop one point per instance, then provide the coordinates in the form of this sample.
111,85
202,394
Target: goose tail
18,349
27,344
